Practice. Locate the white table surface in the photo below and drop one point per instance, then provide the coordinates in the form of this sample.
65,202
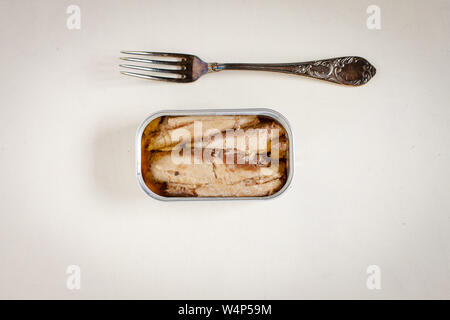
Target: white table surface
372,177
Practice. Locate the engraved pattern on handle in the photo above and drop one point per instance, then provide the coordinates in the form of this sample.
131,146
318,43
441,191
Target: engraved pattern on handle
346,70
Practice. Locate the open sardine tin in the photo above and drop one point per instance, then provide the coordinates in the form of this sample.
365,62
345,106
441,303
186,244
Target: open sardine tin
214,154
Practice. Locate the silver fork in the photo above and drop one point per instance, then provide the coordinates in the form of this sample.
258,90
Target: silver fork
180,67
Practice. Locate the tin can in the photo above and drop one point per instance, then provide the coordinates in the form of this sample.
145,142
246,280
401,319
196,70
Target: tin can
238,113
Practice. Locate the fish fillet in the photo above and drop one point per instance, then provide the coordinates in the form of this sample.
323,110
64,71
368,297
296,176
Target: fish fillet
241,189
175,130
211,178
251,140
164,169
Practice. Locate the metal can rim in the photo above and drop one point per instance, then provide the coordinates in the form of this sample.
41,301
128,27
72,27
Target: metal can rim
214,112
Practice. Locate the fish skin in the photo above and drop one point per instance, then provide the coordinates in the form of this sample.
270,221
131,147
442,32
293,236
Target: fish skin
232,121
253,139
173,127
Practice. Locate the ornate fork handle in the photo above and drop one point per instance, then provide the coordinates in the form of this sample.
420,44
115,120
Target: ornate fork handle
352,71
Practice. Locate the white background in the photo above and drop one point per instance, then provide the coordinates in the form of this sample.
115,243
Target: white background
372,167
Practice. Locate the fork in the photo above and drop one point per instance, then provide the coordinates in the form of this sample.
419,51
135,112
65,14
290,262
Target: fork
178,67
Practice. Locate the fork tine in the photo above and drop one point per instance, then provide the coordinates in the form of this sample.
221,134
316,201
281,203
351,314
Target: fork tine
148,53
172,63
146,76
129,66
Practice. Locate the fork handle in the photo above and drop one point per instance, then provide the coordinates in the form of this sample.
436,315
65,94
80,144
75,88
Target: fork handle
352,71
